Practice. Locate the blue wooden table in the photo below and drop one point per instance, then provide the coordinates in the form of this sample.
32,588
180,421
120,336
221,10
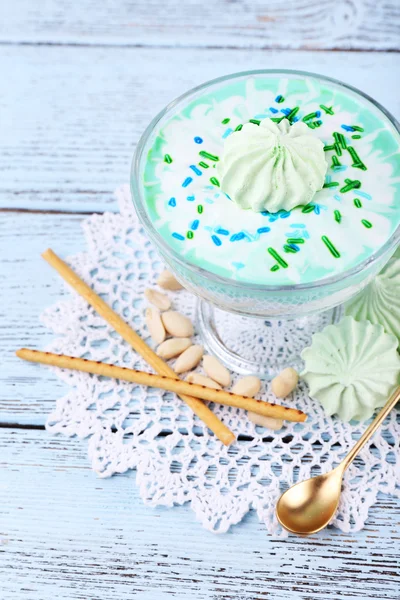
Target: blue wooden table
79,83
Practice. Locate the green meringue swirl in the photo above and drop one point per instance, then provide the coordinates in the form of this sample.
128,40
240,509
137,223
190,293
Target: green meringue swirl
380,301
351,368
273,166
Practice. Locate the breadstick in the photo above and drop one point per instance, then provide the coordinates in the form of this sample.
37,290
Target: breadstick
165,383
129,335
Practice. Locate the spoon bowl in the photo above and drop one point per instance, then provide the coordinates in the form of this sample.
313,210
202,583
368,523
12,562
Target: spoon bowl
310,505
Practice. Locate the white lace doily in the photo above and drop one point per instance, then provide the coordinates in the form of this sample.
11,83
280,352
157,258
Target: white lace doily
177,459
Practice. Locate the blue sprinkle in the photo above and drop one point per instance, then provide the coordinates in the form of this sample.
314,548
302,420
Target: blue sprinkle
295,119
279,96
227,132
347,128
306,235
284,214
294,247
273,218
172,202
177,236
364,195
298,226
328,179
216,240
286,111
198,140
340,168
316,209
238,265
194,225
263,229
248,236
237,236
273,110
209,201
196,170
265,213
318,114
221,231
337,197
187,181
190,198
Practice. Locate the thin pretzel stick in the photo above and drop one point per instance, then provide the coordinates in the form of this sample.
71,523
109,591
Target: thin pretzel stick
161,381
199,408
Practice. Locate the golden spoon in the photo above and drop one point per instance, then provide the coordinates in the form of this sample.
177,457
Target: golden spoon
308,506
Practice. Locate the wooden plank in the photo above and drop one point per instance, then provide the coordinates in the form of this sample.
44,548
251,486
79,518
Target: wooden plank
65,534
27,286
352,24
71,117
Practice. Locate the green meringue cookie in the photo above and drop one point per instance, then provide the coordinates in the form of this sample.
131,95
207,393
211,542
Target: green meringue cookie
351,368
380,301
272,166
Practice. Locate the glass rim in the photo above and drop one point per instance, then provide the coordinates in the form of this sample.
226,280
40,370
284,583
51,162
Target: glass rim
140,204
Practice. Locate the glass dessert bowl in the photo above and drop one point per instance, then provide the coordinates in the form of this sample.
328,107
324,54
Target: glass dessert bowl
266,281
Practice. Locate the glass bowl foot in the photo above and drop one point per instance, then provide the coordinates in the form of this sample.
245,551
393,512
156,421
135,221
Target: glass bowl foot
256,346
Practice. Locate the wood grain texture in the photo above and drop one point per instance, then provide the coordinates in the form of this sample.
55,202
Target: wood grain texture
70,119
65,534
311,24
27,286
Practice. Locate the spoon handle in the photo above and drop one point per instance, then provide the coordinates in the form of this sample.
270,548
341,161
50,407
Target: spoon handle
394,398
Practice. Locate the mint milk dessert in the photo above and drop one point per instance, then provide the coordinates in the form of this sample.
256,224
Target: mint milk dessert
275,178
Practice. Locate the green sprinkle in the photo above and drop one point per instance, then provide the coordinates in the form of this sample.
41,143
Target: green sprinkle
293,113
357,162
277,119
190,235
200,209
357,203
350,185
331,184
214,181
335,162
225,121
275,268
307,209
280,99
278,258
357,128
327,109
203,164
255,121
168,159
330,246
312,115
239,127
205,154
338,150
340,139
338,216
310,124
366,223
328,148
356,137
290,250
295,241
317,123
